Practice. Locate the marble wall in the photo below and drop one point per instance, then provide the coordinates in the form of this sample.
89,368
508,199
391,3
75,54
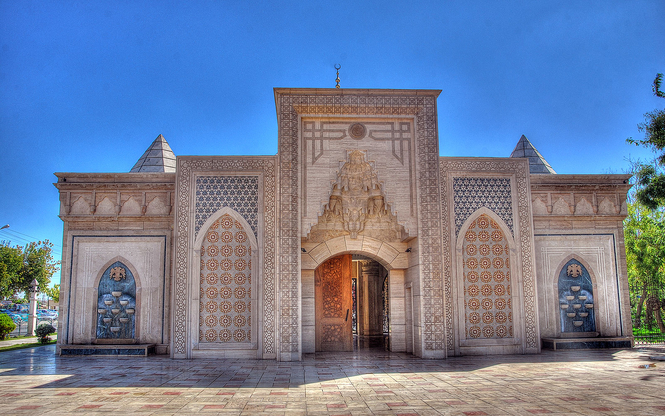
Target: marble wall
91,256
579,217
357,171
110,218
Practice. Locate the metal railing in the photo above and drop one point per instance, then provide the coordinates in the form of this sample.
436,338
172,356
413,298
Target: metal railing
648,312
22,325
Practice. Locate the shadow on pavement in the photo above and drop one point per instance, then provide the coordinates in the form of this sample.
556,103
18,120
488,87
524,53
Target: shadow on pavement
161,371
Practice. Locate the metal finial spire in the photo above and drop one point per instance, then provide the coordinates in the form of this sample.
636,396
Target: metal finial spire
337,67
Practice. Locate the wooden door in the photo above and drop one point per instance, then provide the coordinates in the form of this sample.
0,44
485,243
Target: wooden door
333,305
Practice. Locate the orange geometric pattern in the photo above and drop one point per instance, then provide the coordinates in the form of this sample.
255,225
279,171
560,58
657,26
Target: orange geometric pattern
487,287
225,310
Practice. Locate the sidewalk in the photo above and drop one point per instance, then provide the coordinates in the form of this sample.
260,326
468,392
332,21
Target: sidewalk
14,341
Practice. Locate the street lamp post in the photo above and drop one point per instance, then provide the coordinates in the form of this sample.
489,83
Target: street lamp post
32,316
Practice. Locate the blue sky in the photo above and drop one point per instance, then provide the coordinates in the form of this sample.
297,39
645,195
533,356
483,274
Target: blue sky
86,86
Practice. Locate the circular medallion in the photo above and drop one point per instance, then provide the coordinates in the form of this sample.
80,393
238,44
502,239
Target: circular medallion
357,131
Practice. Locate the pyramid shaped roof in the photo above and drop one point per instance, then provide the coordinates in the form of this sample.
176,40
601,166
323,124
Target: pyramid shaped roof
537,163
158,158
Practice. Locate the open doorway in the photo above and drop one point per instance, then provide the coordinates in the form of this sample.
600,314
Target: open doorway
351,304
370,300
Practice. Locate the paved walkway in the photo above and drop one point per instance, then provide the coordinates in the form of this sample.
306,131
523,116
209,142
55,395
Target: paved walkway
15,341
596,382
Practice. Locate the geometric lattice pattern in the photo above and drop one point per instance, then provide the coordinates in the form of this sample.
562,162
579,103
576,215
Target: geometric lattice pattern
523,225
487,288
473,193
188,167
225,309
240,193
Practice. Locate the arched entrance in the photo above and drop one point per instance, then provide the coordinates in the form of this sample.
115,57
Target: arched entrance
388,261
351,303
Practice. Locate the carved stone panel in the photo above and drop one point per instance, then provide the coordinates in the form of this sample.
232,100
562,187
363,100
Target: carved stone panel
357,205
387,142
522,228
225,309
185,231
487,281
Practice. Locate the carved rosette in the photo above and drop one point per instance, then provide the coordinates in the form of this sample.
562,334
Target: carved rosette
357,205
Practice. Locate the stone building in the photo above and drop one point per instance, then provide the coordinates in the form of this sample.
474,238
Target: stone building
356,233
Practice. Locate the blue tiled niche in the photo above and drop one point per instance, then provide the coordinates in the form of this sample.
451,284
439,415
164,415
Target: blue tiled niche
576,303
116,303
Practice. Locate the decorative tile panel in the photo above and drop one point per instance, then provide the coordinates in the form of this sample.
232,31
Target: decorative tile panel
488,309
184,238
473,193
450,168
240,193
116,303
576,304
225,308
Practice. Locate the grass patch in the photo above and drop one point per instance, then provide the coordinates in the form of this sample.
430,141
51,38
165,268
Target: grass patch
21,337
646,332
21,346
8,338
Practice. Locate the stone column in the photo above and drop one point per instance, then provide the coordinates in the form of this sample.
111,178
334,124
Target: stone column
370,301
397,316
32,313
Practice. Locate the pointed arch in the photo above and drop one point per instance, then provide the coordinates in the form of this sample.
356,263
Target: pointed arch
575,286
117,302
485,211
226,292
217,215
124,261
486,282
582,260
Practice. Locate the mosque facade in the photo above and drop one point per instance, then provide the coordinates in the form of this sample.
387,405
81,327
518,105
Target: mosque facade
356,233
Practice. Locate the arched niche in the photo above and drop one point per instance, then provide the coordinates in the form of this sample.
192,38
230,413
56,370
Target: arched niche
576,298
117,306
487,286
227,253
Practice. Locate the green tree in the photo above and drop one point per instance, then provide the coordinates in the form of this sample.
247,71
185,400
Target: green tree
650,178
53,292
644,232
11,263
38,263
35,261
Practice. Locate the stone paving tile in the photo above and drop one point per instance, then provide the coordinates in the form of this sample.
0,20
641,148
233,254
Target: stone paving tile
593,382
